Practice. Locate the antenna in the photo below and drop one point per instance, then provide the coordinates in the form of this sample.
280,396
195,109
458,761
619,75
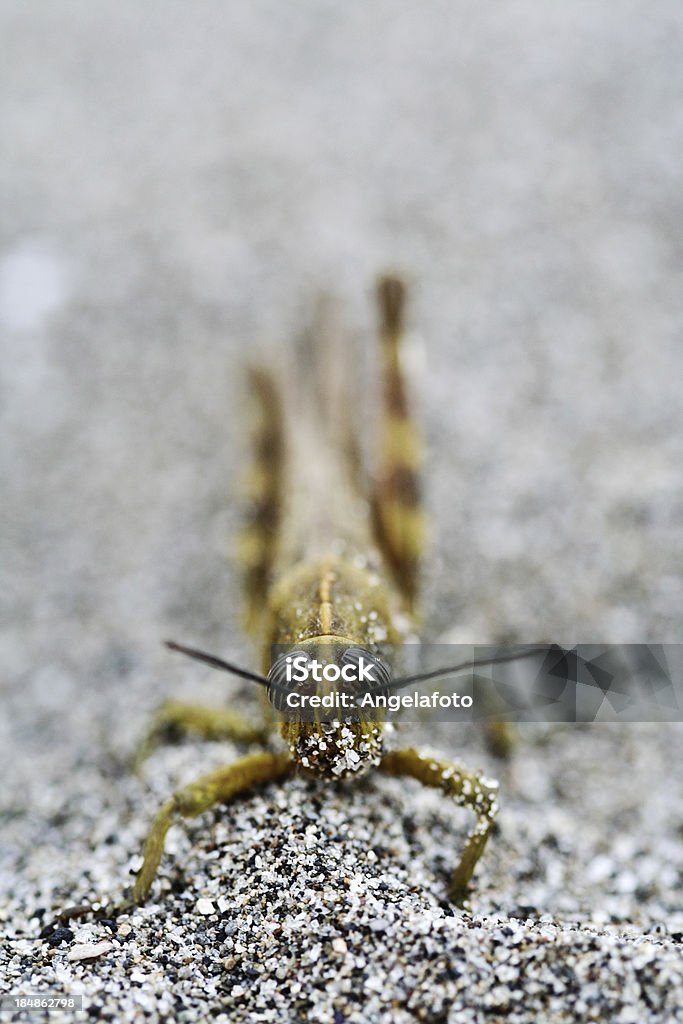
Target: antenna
497,659
211,659
396,684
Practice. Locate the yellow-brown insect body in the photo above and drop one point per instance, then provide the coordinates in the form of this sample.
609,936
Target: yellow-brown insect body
326,588
327,609
330,572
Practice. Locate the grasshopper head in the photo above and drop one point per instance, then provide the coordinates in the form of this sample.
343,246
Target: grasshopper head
321,688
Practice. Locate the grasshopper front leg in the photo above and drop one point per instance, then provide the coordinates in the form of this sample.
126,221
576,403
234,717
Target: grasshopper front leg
468,790
216,787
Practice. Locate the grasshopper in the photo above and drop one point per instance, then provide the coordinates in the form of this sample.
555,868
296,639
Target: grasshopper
330,567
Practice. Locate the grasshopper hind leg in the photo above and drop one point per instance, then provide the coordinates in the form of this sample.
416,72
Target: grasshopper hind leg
259,536
397,499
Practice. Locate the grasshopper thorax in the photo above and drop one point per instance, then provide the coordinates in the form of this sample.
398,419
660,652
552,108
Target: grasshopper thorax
322,690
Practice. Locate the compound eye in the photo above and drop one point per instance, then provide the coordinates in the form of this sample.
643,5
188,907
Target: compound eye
279,684
370,671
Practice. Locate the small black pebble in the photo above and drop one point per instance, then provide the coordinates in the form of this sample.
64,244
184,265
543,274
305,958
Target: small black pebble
60,935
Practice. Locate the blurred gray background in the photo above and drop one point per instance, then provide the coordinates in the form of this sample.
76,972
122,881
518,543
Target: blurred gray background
179,181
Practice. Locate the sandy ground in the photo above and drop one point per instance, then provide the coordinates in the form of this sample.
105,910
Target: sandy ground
179,182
